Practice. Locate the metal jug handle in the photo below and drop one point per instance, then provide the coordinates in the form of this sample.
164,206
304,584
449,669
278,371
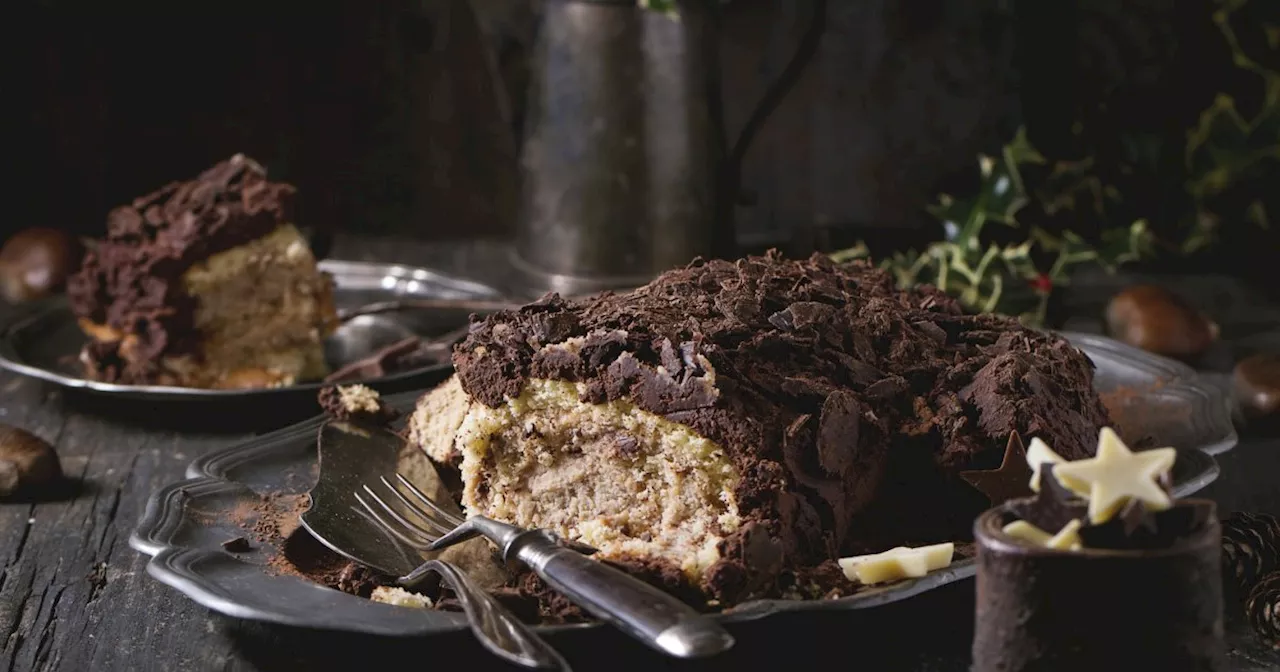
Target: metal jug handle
729,186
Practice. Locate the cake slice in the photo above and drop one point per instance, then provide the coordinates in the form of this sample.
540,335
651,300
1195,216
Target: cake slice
205,283
733,422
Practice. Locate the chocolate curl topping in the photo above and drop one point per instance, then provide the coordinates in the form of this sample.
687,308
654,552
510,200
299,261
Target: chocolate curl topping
236,187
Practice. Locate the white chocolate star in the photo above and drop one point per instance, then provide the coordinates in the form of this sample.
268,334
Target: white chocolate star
1024,531
1117,475
1067,539
1039,454
897,563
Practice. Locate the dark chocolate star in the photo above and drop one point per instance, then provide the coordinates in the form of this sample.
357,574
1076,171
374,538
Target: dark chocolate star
1054,506
1011,481
1136,519
1136,527
1133,527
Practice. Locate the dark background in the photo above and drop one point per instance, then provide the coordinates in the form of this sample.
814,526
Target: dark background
403,116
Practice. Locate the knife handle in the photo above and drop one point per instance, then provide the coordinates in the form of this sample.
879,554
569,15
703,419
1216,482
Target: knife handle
633,606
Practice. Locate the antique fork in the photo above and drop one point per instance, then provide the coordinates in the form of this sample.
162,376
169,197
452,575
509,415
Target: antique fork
638,609
349,456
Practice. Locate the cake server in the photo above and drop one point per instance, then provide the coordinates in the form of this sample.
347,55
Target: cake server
638,609
342,524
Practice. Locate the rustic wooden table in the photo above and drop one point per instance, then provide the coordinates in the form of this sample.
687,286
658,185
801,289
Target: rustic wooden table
74,596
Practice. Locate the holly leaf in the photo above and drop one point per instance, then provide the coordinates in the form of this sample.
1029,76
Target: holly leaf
1000,195
1226,146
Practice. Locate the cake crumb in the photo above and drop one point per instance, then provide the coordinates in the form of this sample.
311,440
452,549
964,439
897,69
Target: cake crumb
356,403
400,597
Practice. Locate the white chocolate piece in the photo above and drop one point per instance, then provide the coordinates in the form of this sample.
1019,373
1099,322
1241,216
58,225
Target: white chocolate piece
1039,454
1024,531
1117,476
897,563
1067,539
400,597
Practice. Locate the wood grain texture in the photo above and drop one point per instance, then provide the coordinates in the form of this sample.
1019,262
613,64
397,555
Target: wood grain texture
74,596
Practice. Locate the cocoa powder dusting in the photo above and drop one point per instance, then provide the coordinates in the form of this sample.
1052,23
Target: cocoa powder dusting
1135,411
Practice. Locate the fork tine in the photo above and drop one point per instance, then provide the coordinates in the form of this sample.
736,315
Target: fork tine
436,527
410,525
417,544
448,517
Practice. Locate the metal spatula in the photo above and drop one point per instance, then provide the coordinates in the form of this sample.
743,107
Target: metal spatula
338,520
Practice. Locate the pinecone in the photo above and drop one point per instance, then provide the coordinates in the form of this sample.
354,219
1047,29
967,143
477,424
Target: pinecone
1263,609
1250,548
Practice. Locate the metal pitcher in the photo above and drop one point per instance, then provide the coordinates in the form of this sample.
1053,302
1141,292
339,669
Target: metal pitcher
624,160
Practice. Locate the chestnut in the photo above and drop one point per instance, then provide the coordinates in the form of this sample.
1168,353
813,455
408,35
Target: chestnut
1256,381
1156,320
27,463
36,262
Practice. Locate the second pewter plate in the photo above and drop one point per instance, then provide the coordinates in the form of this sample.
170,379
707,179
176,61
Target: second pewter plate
186,522
45,342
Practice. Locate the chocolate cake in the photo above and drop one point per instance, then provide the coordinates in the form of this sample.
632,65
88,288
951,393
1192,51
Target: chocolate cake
731,422
205,283
1101,570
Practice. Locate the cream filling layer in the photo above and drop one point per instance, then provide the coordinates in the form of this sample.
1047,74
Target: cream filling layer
624,480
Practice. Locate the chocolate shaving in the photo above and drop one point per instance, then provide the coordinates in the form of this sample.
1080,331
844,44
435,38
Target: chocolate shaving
409,353
237,545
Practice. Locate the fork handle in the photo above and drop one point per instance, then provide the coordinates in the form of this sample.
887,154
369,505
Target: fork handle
631,605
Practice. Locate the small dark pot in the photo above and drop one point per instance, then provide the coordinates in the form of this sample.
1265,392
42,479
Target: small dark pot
1095,609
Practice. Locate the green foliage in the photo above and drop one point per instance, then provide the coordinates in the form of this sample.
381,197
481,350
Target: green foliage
1229,147
664,6
1229,156
1013,278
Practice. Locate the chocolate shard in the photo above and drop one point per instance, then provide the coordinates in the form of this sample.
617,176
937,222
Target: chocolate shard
407,353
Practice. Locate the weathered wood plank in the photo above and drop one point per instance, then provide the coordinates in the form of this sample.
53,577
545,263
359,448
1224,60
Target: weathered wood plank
73,594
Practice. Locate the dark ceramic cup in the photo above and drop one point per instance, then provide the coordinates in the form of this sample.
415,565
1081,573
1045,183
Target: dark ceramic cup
1097,609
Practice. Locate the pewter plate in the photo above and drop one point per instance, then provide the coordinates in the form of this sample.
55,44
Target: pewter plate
186,522
44,343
